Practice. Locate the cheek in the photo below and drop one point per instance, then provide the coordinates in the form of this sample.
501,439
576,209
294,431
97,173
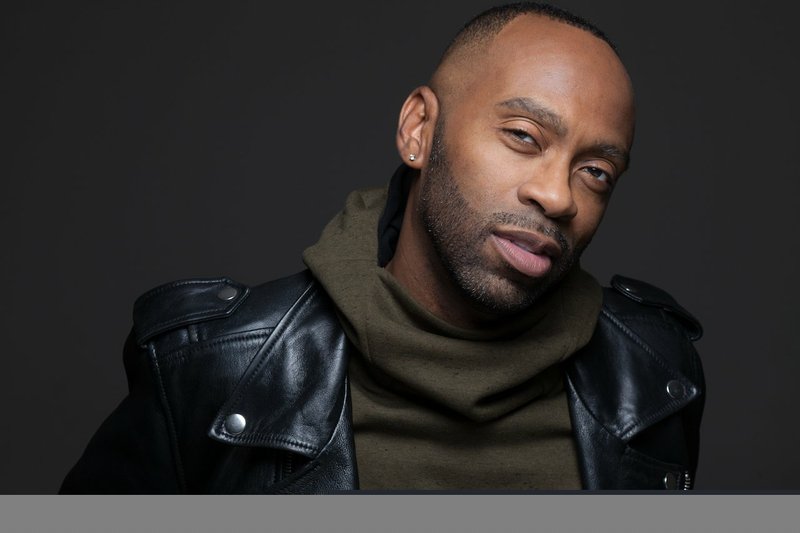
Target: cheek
478,161
484,174
587,220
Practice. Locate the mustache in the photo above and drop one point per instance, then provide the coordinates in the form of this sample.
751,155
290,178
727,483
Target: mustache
540,225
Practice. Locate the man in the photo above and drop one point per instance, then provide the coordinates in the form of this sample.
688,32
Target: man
444,336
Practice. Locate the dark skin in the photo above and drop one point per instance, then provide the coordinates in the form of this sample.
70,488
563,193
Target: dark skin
538,123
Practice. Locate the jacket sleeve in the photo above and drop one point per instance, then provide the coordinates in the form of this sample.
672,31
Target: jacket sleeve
132,452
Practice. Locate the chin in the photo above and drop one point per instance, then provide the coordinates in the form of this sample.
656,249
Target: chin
503,295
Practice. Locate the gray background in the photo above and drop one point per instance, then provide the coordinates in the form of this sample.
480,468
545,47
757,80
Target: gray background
148,142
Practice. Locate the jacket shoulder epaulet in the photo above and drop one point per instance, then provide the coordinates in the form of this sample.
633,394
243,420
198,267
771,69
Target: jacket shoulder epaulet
649,295
185,302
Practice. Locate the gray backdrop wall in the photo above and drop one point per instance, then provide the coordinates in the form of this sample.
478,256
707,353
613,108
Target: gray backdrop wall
148,142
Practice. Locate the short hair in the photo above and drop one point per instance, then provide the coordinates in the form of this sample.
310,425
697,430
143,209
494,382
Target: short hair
487,24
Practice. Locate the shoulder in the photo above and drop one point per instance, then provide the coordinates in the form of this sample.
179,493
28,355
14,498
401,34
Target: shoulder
632,299
218,306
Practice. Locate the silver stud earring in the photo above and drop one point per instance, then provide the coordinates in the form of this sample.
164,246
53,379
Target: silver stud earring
412,157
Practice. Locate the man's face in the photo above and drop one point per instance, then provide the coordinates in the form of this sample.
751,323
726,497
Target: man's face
523,161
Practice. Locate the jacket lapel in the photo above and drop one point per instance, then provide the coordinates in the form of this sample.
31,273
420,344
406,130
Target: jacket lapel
618,385
291,396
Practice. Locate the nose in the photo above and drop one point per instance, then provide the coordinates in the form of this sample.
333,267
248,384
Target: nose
549,187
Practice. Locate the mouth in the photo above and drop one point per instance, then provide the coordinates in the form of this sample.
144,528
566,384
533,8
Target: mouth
529,253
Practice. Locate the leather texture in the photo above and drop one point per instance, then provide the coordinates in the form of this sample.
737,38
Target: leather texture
636,395
277,356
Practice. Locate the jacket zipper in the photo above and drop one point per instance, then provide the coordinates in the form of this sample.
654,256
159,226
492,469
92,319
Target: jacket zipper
687,481
287,465
284,465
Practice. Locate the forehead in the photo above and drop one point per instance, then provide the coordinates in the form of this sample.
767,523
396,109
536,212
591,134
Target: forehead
565,68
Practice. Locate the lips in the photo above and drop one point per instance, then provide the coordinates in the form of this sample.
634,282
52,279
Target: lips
528,253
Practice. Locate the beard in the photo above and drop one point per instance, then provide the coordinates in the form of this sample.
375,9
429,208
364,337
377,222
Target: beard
459,234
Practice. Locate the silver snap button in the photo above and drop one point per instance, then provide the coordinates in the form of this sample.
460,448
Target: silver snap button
227,294
671,481
235,423
676,389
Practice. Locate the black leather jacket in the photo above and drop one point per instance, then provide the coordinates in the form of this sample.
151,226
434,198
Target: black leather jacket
244,390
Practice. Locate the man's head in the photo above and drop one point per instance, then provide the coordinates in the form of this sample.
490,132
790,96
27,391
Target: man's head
520,138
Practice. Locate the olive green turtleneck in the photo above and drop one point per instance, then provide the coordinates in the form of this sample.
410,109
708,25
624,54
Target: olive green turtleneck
436,406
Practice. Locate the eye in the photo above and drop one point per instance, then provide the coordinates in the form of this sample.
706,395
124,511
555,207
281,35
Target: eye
598,179
522,140
599,174
523,136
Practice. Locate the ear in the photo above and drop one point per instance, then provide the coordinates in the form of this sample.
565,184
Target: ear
417,123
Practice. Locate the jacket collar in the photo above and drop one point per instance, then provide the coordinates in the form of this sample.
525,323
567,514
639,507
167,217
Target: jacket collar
293,392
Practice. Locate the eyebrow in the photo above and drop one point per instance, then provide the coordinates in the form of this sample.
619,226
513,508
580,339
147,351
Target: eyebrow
553,120
613,152
541,113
